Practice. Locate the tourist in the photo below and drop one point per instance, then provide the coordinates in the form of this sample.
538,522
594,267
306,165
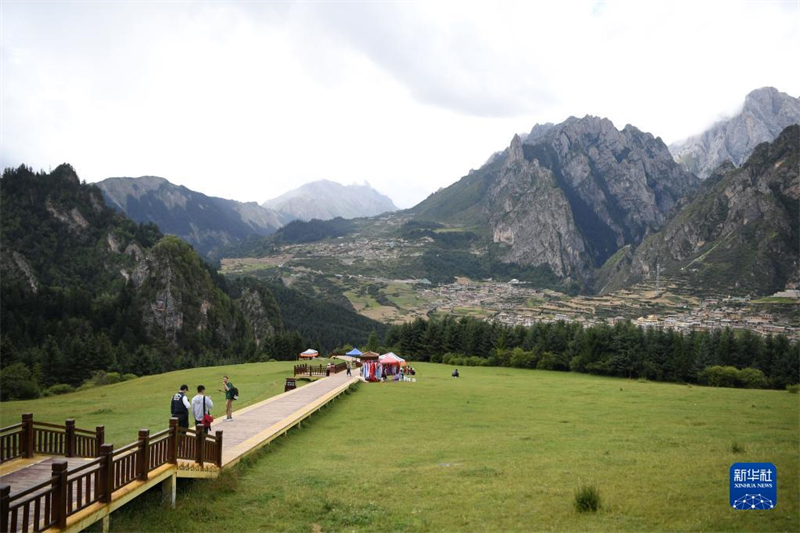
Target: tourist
348,370
227,388
455,373
180,407
201,406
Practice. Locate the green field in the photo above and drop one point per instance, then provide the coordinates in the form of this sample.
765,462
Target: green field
503,450
126,407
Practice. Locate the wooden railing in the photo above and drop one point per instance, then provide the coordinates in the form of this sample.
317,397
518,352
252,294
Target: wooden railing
195,445
318,370
11,443
30,437
67,492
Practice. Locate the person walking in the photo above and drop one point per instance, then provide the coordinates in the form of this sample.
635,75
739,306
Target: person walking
180,406
201,406
227,388
348,370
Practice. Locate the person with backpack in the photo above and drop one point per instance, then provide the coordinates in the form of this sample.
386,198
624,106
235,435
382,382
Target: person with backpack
231,393
180,406
201,409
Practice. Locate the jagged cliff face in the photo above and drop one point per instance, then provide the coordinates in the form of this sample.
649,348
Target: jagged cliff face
530,213
765,114
739,232
576,192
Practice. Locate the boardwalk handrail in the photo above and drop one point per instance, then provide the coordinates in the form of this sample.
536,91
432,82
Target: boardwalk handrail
69,491
30,437
318,370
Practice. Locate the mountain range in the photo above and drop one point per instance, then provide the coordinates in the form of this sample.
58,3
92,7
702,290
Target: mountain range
210,224
765,113
325,200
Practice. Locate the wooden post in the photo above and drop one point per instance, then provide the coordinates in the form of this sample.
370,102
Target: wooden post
27,435
173,441
200,443
5,496
218,458
99,439
60,493
144,453
69,438
106,483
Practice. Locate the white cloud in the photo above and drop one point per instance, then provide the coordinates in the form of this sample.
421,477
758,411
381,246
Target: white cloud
247,100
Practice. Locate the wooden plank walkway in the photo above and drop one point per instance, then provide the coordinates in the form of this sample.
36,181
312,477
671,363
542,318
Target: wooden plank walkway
260,423
251,428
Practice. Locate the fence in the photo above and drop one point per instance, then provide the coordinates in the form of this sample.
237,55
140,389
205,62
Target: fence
67,492
318,370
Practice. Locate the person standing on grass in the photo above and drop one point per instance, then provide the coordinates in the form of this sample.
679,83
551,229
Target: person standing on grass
201,406
227,388
180,407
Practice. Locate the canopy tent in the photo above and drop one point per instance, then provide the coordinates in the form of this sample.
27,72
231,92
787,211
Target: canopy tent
392,358
309,354
355,352
369,356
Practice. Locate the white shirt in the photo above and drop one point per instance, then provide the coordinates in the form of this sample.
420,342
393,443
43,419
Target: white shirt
197,406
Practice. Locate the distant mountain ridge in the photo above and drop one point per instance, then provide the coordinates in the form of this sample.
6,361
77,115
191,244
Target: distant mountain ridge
325,200
766,112
205,222
569,196
739,231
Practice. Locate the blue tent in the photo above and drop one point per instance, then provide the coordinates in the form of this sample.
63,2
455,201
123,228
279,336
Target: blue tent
355,352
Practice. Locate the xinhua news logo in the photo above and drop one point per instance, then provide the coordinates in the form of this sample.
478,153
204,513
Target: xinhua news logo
754,486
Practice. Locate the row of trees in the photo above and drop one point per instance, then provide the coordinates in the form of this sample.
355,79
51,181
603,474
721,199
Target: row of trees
623,349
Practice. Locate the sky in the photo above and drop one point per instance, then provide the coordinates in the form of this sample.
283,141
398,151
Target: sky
247,100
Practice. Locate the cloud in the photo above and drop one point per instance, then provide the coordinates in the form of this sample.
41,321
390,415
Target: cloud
248,100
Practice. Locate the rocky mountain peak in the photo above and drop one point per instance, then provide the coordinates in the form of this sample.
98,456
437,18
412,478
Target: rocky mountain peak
765,113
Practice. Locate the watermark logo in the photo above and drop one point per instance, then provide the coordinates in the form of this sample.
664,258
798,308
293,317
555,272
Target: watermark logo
754,486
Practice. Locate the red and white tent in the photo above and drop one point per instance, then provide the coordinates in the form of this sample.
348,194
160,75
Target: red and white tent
392,359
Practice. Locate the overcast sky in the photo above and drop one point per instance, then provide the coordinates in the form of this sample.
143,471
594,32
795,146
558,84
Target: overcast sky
248,100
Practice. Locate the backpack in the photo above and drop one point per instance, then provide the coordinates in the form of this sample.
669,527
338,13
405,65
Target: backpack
235,393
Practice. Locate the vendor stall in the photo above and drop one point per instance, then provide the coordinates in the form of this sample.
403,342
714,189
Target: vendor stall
392,364
371,369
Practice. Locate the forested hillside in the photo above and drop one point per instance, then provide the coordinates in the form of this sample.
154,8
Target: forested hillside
84,289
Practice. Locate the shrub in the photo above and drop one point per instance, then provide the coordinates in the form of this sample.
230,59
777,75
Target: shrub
16,383
752,378
128,377
737,448
793,389
436,358
587,499
61,388
729,376
548,361
101,377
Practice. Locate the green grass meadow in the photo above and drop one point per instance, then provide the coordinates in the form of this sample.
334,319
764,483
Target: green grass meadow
124,408
496,450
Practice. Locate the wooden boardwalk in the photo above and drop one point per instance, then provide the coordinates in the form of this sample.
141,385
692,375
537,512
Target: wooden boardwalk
251,428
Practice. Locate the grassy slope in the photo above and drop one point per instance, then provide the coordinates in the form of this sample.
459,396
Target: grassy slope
144,403
503,450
